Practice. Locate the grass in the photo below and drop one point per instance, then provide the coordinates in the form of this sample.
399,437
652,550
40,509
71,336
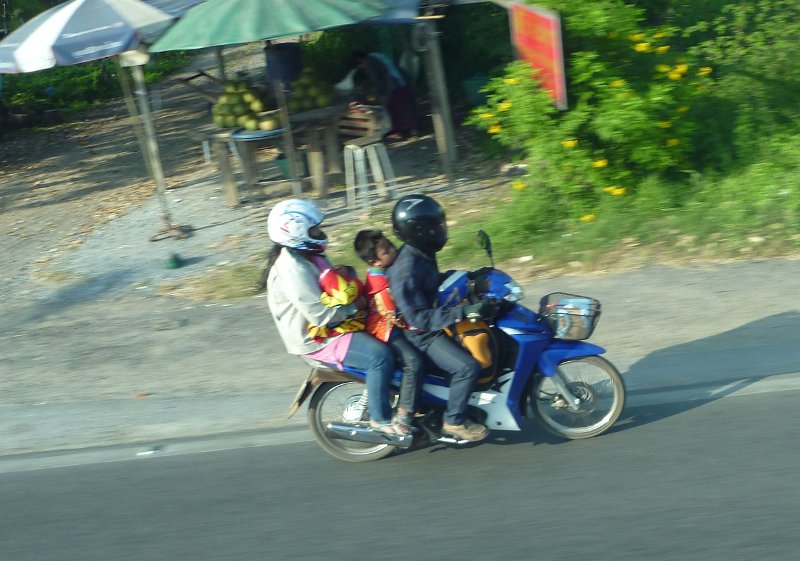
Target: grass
753,213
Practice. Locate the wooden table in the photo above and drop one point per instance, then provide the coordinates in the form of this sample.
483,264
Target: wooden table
320,128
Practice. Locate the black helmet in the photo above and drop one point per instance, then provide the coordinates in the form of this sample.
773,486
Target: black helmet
419,221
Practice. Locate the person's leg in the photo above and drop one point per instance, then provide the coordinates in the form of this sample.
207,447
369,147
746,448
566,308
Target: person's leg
464,371
412,364
367,353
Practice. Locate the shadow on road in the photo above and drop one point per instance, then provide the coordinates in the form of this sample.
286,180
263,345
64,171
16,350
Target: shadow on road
683,377
677,379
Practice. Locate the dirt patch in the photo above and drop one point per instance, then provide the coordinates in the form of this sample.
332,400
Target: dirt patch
77,206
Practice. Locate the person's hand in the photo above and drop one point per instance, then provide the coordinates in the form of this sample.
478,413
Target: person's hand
485,309
480,278
479,273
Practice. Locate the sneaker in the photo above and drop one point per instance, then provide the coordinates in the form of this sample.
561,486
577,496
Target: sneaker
469,430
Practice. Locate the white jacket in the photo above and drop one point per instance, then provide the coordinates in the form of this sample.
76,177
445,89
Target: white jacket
293,293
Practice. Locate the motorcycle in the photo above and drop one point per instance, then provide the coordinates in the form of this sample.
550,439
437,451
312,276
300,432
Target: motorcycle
541,365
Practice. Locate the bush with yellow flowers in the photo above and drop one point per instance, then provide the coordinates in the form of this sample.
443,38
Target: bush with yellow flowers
631,94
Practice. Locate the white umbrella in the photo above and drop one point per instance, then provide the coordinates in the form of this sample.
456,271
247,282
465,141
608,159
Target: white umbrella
85,30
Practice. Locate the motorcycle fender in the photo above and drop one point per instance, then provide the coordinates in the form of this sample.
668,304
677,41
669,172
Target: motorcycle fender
560,350
316,378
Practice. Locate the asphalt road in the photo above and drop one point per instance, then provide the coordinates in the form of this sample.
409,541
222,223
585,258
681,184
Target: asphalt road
714,480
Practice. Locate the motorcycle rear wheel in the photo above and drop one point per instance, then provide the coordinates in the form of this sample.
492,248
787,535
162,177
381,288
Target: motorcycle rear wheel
597,384
328,404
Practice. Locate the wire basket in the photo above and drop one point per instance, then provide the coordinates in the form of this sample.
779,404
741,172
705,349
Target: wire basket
570,316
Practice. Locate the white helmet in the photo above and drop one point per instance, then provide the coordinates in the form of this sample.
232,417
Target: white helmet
289,222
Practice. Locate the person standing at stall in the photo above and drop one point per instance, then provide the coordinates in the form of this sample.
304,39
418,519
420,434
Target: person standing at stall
393,90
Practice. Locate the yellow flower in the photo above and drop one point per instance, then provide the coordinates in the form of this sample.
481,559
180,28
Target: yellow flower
571,143
505,106
664,124
600,163
675,75
617,83
613,34
494,129
704,71
663,68
682,109
519,185
658,35
662,49
511,81
672,142
610,188
642,47
587,218
618,192
682,68
636,37
486,116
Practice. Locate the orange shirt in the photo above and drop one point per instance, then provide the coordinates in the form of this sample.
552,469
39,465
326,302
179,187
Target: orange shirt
383,314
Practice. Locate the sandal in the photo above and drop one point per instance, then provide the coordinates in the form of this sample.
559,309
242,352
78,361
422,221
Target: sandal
403,423
386,428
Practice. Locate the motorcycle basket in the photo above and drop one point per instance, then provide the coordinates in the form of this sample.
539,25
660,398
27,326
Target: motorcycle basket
570,316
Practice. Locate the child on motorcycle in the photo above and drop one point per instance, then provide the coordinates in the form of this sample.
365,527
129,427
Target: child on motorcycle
385,323
308,326
419,221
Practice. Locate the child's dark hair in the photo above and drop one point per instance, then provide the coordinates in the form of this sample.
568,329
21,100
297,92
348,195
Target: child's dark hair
365,243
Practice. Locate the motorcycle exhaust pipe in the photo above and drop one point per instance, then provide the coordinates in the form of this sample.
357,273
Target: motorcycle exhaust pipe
366,434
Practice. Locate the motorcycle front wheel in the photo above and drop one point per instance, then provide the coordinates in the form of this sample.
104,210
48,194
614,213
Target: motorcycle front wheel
597,385
334,402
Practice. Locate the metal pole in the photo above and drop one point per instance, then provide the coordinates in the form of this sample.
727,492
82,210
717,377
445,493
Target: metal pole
130,103
150,144
288,137
440,110
220,62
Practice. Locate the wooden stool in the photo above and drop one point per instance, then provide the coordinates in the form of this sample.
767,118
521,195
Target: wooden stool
356,154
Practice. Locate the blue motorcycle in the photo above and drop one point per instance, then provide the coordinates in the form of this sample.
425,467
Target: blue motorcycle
540,364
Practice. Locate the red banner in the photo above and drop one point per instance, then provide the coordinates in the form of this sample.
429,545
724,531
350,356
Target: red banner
536,35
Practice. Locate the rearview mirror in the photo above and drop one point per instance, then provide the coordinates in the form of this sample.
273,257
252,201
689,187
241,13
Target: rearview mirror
485,244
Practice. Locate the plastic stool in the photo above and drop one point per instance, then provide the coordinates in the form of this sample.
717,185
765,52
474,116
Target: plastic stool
355,170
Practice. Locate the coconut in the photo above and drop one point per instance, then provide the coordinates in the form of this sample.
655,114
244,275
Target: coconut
268,124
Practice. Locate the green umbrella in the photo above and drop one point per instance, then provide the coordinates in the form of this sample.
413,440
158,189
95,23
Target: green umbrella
216,23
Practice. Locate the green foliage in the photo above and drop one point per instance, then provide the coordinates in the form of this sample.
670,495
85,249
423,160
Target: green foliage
330,52
678,137
80,86
475,42
753,47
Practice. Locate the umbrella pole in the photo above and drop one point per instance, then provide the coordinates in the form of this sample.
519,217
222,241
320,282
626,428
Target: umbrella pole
289,147
130,103
441,115
150,145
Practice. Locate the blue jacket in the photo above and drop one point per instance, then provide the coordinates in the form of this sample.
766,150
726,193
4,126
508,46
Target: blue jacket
415,278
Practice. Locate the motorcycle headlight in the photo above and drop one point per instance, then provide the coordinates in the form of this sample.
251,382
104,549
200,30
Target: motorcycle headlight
515,293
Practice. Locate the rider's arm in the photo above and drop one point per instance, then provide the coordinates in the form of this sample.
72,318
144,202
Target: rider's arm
300,285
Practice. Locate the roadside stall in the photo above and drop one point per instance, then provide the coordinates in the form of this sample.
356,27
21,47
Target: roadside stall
217,23
316,120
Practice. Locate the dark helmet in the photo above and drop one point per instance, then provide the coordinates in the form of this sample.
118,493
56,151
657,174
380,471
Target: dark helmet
419,221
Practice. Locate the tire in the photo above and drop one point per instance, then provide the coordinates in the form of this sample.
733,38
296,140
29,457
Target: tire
328,404
599,386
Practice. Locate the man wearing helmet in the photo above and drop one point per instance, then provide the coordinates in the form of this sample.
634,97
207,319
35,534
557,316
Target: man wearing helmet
329,333
419,221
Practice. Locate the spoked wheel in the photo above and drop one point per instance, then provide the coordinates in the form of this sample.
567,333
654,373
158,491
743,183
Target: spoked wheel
338,402
598,386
